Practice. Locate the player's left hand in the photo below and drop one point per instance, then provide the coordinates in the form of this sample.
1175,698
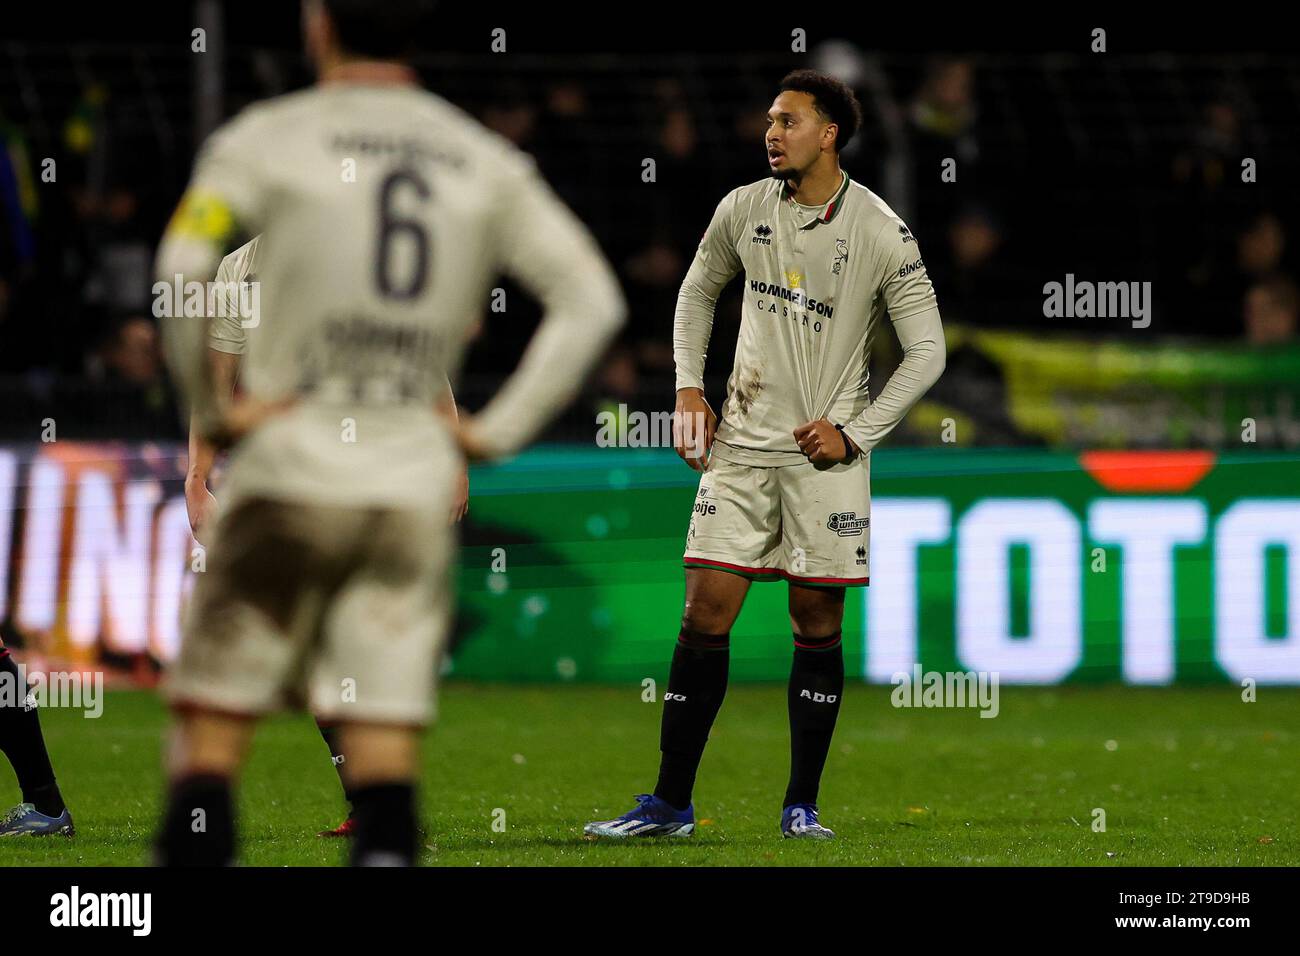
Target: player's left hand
822,443
202,507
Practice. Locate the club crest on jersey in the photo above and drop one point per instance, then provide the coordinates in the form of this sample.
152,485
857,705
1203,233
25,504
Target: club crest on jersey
846,523
841,255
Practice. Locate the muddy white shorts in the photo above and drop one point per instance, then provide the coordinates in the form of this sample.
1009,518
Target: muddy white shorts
803,523
343,611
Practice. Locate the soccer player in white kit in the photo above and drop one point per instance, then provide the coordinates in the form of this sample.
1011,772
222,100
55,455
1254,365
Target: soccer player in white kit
237,315
384,214
785,492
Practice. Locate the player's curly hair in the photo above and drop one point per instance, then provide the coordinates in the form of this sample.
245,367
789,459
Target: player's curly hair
833,98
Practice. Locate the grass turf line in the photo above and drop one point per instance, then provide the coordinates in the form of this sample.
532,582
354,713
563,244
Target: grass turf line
1194,776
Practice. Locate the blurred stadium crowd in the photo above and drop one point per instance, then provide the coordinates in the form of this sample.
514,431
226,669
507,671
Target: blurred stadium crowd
1114,169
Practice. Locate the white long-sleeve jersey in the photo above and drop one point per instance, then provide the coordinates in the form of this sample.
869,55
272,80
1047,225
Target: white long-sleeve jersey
817,281
384,215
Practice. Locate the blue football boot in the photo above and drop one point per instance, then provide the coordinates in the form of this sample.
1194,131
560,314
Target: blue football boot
652,817
799,821
24,820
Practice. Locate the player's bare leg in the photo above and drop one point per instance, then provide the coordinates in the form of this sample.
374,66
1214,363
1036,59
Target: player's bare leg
697,682
205,753
380,774
816,688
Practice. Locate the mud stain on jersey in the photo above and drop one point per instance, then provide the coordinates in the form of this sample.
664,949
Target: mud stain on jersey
748,386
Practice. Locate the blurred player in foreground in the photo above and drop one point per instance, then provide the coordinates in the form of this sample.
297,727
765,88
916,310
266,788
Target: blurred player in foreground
42,811
227,341
328,581
785,491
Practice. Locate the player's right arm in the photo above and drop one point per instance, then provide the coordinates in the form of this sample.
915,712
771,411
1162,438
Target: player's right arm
543,245
201,231
227,341
223,206
716,262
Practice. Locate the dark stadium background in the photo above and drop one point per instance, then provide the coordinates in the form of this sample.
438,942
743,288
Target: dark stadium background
1119,166
1122,166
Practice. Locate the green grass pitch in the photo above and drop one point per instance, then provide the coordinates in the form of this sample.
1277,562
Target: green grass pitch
1185,776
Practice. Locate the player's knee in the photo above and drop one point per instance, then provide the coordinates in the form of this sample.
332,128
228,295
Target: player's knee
702,615
207,742
816,618
378,753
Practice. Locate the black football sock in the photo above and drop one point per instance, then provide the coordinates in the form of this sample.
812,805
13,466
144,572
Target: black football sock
199,826
331,734
697,682
385,825
22,742
816,687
